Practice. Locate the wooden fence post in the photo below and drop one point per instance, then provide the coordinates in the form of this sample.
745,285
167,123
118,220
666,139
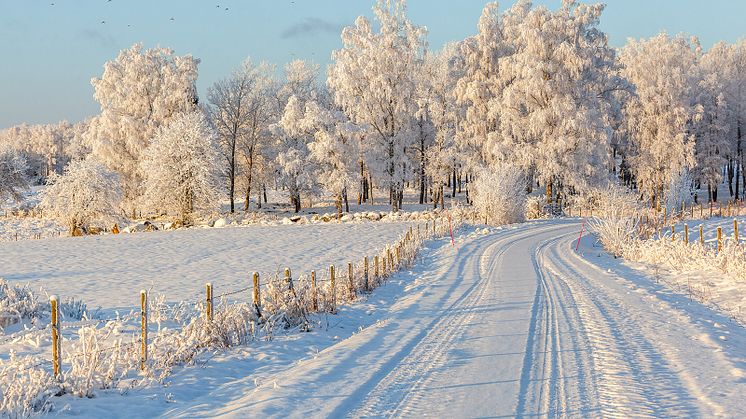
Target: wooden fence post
208,306
56,338
720,239
673,232
314,294
351,279
665,215
383,257
701,236
375,267
288,279
144,326
700,210
686,234
735,229
710,209
332,290
365,274
257,298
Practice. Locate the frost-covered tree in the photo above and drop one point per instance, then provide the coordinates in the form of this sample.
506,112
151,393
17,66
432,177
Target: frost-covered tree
296,129
710,127
552,112
335,151
664,72
85,194
481,84
437,119
13,175
181,168
372,78
241,108
139,92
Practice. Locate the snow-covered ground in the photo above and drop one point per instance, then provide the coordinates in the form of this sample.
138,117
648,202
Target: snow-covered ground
109,271
512,322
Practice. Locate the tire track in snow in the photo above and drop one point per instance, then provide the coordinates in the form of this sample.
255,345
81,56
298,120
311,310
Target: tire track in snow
633,378
398,393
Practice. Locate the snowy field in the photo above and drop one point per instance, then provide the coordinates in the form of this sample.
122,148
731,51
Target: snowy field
109,271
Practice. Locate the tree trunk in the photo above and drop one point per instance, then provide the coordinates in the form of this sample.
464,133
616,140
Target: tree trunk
264,189
730,176
453,193
549,191
347,202
362,183
250,159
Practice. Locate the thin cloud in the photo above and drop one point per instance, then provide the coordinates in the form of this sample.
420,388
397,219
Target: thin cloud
104,40
311,26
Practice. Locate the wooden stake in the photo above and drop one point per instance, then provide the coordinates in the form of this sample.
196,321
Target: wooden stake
673,233
701,236
665,215
351,284
735,229
208,307
686,234
375,267
56,337
257,297
332,290
365,274
314,294
288,279
144,326
720,239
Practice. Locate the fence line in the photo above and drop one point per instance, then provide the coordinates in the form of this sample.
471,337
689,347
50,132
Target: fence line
359,279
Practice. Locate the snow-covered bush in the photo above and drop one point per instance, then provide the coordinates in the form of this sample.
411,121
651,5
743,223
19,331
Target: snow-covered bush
25,388
616,224
535,207
19,304
499,195
181,169
13,175
85,194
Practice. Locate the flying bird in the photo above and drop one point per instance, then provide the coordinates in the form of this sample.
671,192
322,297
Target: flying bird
103,21
173,19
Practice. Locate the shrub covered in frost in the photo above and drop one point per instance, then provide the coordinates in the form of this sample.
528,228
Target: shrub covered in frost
499,195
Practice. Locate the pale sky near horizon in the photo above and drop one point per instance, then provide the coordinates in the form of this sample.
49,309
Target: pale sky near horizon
51,49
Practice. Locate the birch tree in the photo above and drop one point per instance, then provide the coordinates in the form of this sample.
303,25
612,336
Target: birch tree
664,71
372,78
241,109
139,92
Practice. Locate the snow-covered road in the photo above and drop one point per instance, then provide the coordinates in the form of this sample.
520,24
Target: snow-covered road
514,323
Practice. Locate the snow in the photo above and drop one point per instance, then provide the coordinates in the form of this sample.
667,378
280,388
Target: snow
108,271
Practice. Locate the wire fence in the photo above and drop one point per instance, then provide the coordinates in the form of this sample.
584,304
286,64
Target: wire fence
339,286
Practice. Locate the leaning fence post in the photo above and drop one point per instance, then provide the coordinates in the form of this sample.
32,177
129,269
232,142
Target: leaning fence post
720,239
56,338
144,325
257,298
701,235
686,234
735,230
314,294
351,279
208,306
365,274
332,289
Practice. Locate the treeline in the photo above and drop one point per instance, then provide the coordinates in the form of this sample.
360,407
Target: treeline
535,88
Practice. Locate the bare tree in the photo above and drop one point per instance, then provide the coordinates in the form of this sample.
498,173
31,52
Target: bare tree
241,108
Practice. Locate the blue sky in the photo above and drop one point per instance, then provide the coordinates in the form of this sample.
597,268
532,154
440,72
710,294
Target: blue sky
52,48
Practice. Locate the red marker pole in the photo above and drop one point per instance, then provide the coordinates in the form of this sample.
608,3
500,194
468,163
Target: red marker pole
582,227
